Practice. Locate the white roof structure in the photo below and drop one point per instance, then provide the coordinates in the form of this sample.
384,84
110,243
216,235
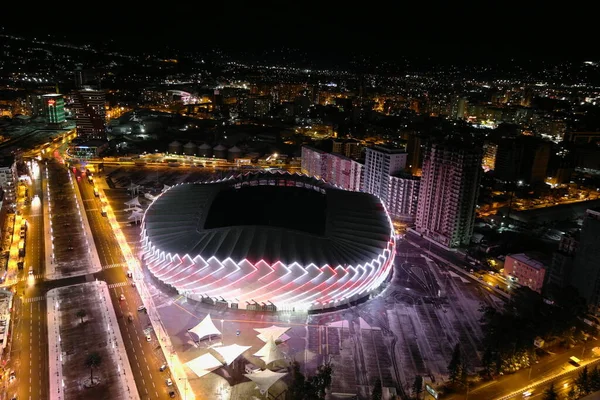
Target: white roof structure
165,188
231,352
204,364
270,352
205,328
133,186
135,202
265,379
271,332
136,216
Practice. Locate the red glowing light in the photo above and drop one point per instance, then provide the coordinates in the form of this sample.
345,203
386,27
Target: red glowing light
51,102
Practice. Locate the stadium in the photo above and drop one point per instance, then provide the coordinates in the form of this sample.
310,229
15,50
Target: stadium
268,241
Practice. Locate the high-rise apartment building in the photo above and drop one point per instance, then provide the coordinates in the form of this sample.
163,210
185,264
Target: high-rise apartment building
54,109
586,268
403,197
524,158
381,162
448,193
349,147
336,169
8,177
89,107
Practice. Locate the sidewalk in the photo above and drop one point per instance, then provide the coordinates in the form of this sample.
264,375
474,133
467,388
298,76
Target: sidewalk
101,314
95,265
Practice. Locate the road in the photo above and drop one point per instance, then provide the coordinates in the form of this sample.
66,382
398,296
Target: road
145,357
29,351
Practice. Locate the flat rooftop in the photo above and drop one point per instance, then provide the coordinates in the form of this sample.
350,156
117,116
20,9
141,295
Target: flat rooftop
274,206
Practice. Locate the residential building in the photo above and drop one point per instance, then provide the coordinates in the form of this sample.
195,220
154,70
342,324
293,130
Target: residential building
89,108
586,267
448,192
561,267
403,197
381,162
525,270
333,168
54,109
8,177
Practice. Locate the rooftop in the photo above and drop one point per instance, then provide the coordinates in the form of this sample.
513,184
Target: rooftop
528,259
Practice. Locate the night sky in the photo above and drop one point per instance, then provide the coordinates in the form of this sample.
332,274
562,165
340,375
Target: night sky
497,30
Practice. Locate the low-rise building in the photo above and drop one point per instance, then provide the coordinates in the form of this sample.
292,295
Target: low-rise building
525,270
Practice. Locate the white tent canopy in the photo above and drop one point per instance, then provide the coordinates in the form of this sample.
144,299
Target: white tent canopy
204,364
136,216
231,352
133,186
270,352
273,331
135,202
165,188
205,328
265,379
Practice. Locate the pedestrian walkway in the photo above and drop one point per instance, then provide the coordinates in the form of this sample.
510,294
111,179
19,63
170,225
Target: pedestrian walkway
114,265
114,285
28,300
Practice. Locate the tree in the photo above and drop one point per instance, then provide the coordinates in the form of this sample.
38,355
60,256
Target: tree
81,314
572,395
595,379
321,381
297,388
583,382
550,393
93,360
488,361
377,393
455,365
417,386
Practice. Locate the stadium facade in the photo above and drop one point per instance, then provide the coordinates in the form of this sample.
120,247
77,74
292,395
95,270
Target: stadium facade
282,240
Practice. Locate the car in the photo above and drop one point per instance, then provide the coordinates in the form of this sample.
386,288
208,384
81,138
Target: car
141,308
162,367
169,382
129,274
148,338
171,394
132,284
527,394
122,297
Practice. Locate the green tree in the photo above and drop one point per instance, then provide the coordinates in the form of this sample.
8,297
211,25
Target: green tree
377,393
583,382
572,395
417,387
81,314
595,379
550,393
321,381
298,386
93,360
488,361
455,365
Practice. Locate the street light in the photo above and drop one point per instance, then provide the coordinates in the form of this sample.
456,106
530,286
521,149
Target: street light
222,334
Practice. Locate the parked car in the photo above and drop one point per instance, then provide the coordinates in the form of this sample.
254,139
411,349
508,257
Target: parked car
148,338
122,297
171,394
162,367
169,382
141,308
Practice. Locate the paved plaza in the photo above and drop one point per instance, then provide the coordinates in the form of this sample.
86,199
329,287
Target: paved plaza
408,329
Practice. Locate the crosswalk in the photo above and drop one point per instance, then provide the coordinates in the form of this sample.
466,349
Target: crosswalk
28,300
119,284
36,276
114,265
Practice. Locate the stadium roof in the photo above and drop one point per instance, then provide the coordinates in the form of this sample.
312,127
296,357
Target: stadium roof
356,227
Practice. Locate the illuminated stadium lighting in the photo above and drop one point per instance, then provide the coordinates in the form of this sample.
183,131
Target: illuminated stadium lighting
205,239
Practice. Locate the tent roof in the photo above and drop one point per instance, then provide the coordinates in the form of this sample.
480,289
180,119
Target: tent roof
270,352
231,352
204,364
265,379
205,328
135,215
133,186
133,202
165,187
272,331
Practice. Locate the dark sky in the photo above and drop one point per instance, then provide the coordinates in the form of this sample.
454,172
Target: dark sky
383,28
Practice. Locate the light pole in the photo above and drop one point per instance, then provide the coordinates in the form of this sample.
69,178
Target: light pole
222,334
184,389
